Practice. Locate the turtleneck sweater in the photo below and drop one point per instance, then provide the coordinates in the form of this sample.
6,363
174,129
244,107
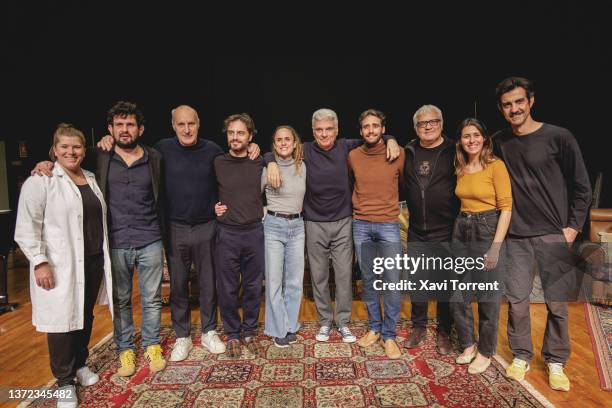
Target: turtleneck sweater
376,181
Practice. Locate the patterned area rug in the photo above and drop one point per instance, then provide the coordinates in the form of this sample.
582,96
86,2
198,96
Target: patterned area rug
599,321
307,374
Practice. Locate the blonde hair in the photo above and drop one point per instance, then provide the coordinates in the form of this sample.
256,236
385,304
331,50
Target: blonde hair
65,129
298,152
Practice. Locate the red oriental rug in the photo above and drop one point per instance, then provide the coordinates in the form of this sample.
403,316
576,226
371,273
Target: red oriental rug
307,374
599,322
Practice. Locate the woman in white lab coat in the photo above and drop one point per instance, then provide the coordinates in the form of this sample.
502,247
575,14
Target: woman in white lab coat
61,229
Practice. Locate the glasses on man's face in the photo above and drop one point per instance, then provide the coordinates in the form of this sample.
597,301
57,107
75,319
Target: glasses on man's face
424,123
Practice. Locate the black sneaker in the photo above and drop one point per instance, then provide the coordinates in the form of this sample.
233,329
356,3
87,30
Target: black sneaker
292,338
281,342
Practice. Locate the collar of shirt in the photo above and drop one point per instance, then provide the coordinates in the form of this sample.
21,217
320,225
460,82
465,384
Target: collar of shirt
142,160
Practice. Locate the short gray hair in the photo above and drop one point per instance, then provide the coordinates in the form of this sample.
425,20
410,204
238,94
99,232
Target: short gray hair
324,114
424,110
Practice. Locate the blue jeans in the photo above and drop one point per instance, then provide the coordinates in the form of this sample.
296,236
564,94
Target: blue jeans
379,239
284,249
149,261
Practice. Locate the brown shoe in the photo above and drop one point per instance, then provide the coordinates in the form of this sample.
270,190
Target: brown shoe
233,349
443,344
368,339
391,349
253,346
417,337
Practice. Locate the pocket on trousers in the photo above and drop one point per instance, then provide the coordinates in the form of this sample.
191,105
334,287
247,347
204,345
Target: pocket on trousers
489,224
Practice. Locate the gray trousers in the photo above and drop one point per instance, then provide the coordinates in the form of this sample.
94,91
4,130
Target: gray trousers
324,240
554,263
192,244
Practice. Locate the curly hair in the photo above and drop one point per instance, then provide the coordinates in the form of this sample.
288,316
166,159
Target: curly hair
124,109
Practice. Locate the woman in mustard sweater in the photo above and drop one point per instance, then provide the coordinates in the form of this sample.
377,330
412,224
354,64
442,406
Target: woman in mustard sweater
483,186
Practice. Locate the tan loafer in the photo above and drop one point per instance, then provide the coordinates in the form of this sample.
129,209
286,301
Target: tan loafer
392,350
370,338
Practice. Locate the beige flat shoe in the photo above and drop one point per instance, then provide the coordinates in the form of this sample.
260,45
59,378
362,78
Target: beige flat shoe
467,359
478,368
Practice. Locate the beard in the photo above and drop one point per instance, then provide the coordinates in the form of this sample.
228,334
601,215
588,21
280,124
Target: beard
238,147
126,145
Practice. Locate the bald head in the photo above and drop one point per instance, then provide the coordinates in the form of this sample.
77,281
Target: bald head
186,123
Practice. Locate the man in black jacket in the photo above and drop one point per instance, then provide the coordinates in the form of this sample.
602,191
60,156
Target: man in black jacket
430,194
130,177
551,195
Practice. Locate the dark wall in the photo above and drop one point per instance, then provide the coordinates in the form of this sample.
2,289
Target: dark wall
70,62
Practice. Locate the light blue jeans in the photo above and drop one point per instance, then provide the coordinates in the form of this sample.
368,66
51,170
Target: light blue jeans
149,261
284,249
379,239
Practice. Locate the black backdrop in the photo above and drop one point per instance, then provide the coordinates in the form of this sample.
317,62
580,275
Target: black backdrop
69,61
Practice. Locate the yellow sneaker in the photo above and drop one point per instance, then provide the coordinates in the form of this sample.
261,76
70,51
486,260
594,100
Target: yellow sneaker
517,369
127,358
370,338
557,378
154,355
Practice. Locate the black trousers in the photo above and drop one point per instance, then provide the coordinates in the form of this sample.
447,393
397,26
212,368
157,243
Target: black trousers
472,237
560,281
239,261
68,351
192,244
430,243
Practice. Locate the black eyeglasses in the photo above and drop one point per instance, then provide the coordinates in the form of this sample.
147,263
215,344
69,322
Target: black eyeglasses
424,123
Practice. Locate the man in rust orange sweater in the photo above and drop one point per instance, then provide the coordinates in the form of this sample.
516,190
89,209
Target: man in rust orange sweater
376,230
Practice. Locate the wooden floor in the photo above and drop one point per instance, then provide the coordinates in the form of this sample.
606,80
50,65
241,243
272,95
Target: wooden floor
24,359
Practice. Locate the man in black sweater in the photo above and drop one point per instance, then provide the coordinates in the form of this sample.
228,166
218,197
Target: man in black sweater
430,194
190,198
239,251
551,193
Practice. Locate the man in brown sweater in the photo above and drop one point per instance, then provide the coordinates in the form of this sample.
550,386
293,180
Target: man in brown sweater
376,231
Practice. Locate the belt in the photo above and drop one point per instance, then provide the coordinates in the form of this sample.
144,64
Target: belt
287,216
479,214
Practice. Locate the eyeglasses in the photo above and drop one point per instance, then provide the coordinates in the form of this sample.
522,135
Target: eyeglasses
432,123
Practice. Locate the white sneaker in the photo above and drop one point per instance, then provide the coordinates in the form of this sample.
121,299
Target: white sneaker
212,342
181,349
323,334
347,336
67,397
86,377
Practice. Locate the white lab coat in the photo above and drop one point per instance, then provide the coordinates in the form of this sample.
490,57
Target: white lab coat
50,229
